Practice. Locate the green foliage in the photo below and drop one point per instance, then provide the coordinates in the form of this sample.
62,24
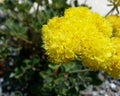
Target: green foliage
65,80
28,70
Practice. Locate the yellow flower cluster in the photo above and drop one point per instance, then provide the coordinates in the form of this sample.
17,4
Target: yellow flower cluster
114,68
77,34
115,21
83,34
58,41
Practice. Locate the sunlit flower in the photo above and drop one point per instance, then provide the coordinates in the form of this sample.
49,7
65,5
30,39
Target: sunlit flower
115,22
59,40
83,14
77,34
114,68
96,51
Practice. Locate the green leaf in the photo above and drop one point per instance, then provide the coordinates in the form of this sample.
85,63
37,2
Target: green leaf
54,66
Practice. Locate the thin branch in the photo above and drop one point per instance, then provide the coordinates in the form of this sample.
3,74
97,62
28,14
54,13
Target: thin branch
115,7
37,11
79,71
110,11
25,40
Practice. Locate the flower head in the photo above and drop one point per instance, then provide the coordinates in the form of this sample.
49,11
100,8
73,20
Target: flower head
115,22
77,34
114,68
59,40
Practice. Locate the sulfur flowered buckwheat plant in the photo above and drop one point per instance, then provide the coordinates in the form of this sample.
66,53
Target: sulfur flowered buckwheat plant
50,48
114,68
88,36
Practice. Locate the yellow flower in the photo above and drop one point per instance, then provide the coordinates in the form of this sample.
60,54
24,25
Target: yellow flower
102,24
83,14
58,39
77,34
115,22
114,68
96,51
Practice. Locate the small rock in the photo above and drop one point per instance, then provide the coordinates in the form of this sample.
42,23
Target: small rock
116,82
100,76
116,94
102,92
105,85
95,88
113,87
90,88
95,93
105,95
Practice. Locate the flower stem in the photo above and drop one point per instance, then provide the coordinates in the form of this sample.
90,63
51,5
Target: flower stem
79,71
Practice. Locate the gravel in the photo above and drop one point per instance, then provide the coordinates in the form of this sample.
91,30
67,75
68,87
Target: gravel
109,87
